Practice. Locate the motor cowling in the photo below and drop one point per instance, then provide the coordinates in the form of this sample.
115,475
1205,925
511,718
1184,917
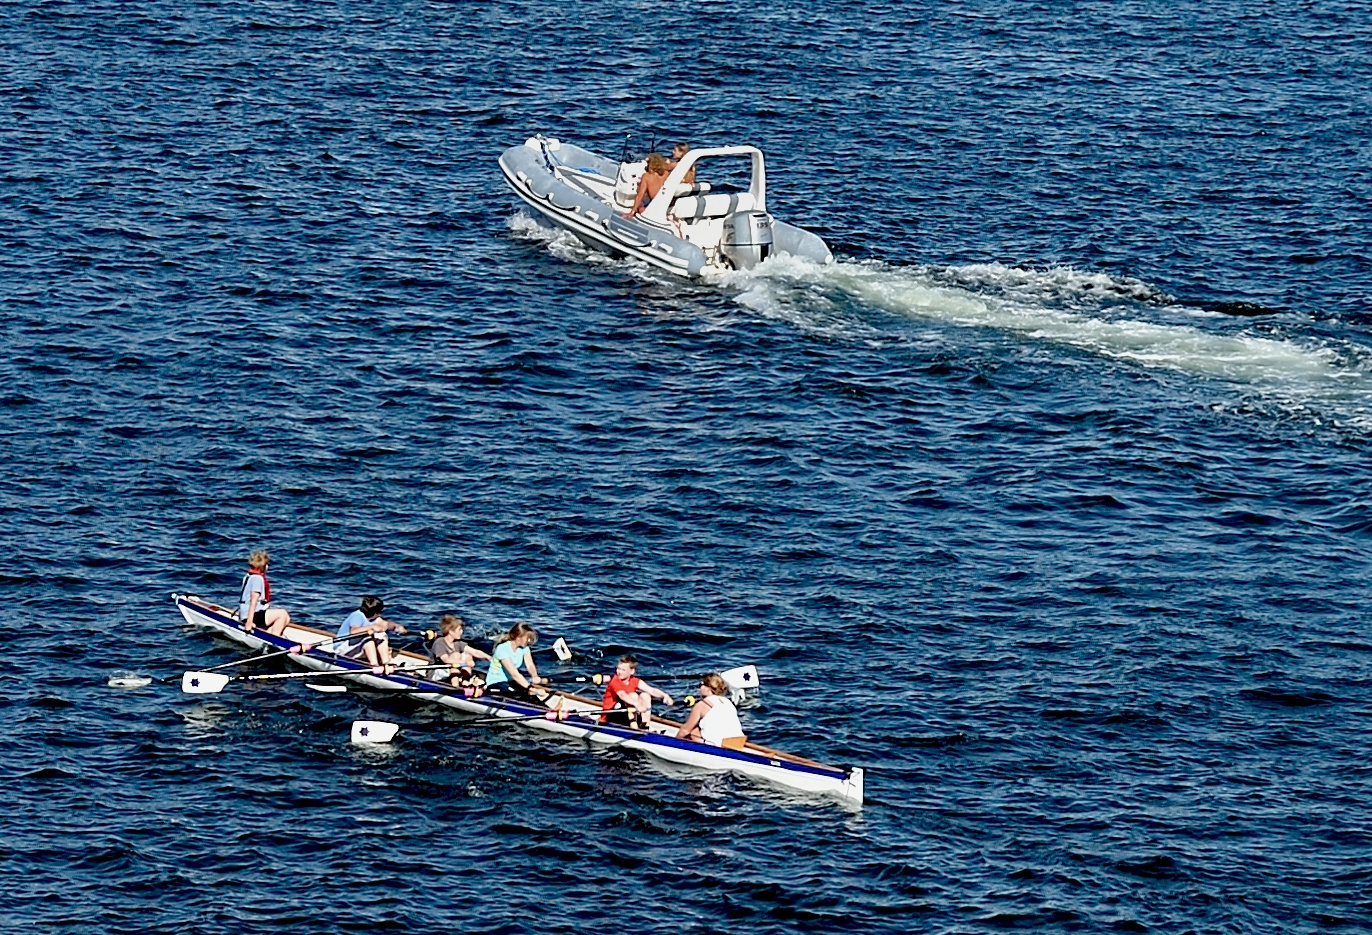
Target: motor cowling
747,239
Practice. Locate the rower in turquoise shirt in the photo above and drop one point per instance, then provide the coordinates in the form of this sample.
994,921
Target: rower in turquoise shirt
511,655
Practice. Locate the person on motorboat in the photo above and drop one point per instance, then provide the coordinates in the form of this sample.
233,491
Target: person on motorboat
255,598
629,699
461,656
510,654
678,151
650,183
713,719
367,622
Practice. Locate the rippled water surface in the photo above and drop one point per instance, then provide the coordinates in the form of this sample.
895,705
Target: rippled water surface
1048,502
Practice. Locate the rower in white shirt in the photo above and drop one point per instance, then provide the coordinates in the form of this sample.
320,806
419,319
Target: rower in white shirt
713,719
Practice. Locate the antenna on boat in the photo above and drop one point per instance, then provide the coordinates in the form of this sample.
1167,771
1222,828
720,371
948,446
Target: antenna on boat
624,153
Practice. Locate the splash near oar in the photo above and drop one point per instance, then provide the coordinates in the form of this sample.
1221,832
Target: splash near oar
129,680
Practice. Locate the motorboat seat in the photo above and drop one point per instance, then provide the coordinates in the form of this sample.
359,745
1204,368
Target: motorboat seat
718,205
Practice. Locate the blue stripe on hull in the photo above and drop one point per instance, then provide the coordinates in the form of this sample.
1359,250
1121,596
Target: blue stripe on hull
585,722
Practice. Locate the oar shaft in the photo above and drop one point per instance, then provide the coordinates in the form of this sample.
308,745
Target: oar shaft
602,679
374,670
295,650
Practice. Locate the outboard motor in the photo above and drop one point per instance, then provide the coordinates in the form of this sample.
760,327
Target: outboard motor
747,239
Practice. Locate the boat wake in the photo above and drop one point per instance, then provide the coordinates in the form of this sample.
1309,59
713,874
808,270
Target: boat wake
1115,318
1270,368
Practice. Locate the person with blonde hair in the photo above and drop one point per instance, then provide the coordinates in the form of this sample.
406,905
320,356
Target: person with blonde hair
678,151
508,656
650,183
713,719
255,598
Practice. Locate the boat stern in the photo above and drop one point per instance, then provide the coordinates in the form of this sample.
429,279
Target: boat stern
851,787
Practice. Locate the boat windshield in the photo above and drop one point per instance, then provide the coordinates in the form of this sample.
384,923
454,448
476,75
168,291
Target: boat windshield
726,173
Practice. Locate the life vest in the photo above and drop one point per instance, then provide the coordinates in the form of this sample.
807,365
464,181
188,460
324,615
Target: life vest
266,587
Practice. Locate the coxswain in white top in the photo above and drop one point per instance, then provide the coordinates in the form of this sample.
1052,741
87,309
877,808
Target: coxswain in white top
713,719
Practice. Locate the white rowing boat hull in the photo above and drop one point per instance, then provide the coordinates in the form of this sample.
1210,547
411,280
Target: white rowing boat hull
753,760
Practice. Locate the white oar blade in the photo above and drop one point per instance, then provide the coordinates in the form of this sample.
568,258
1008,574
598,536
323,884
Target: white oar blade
326,688
374,731
741,678
562,650
203,683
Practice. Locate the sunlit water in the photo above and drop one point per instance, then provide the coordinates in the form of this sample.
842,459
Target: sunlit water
1047,502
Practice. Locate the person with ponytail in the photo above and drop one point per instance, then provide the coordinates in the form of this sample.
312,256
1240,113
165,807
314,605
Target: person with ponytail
255,598
508,656
713,719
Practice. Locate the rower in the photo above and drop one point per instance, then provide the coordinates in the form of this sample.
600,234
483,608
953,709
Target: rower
367,620
460,655
509,655
713,719
255,598
628,698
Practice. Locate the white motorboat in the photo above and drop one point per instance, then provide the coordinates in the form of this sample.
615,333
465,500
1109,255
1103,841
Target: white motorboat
575,715
691,230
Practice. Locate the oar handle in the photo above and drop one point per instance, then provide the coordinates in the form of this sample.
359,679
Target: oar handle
602,679
373,670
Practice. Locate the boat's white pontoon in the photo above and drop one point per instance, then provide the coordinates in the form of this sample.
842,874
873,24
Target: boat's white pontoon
688,229
581,718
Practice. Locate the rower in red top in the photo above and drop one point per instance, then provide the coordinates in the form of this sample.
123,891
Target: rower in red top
629,698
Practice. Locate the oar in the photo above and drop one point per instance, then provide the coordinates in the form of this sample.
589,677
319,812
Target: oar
211,683
559,647
740,678
295,650
384,731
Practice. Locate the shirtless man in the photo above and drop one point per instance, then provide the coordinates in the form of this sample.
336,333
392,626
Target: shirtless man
451,648
650,184
367,620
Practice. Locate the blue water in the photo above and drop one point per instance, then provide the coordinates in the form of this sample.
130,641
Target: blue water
1048,503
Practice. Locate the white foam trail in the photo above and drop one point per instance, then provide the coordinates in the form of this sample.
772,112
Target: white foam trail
1089,311
1242,357
564,246
1093,312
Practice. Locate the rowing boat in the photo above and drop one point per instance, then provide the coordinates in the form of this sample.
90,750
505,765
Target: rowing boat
579,717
